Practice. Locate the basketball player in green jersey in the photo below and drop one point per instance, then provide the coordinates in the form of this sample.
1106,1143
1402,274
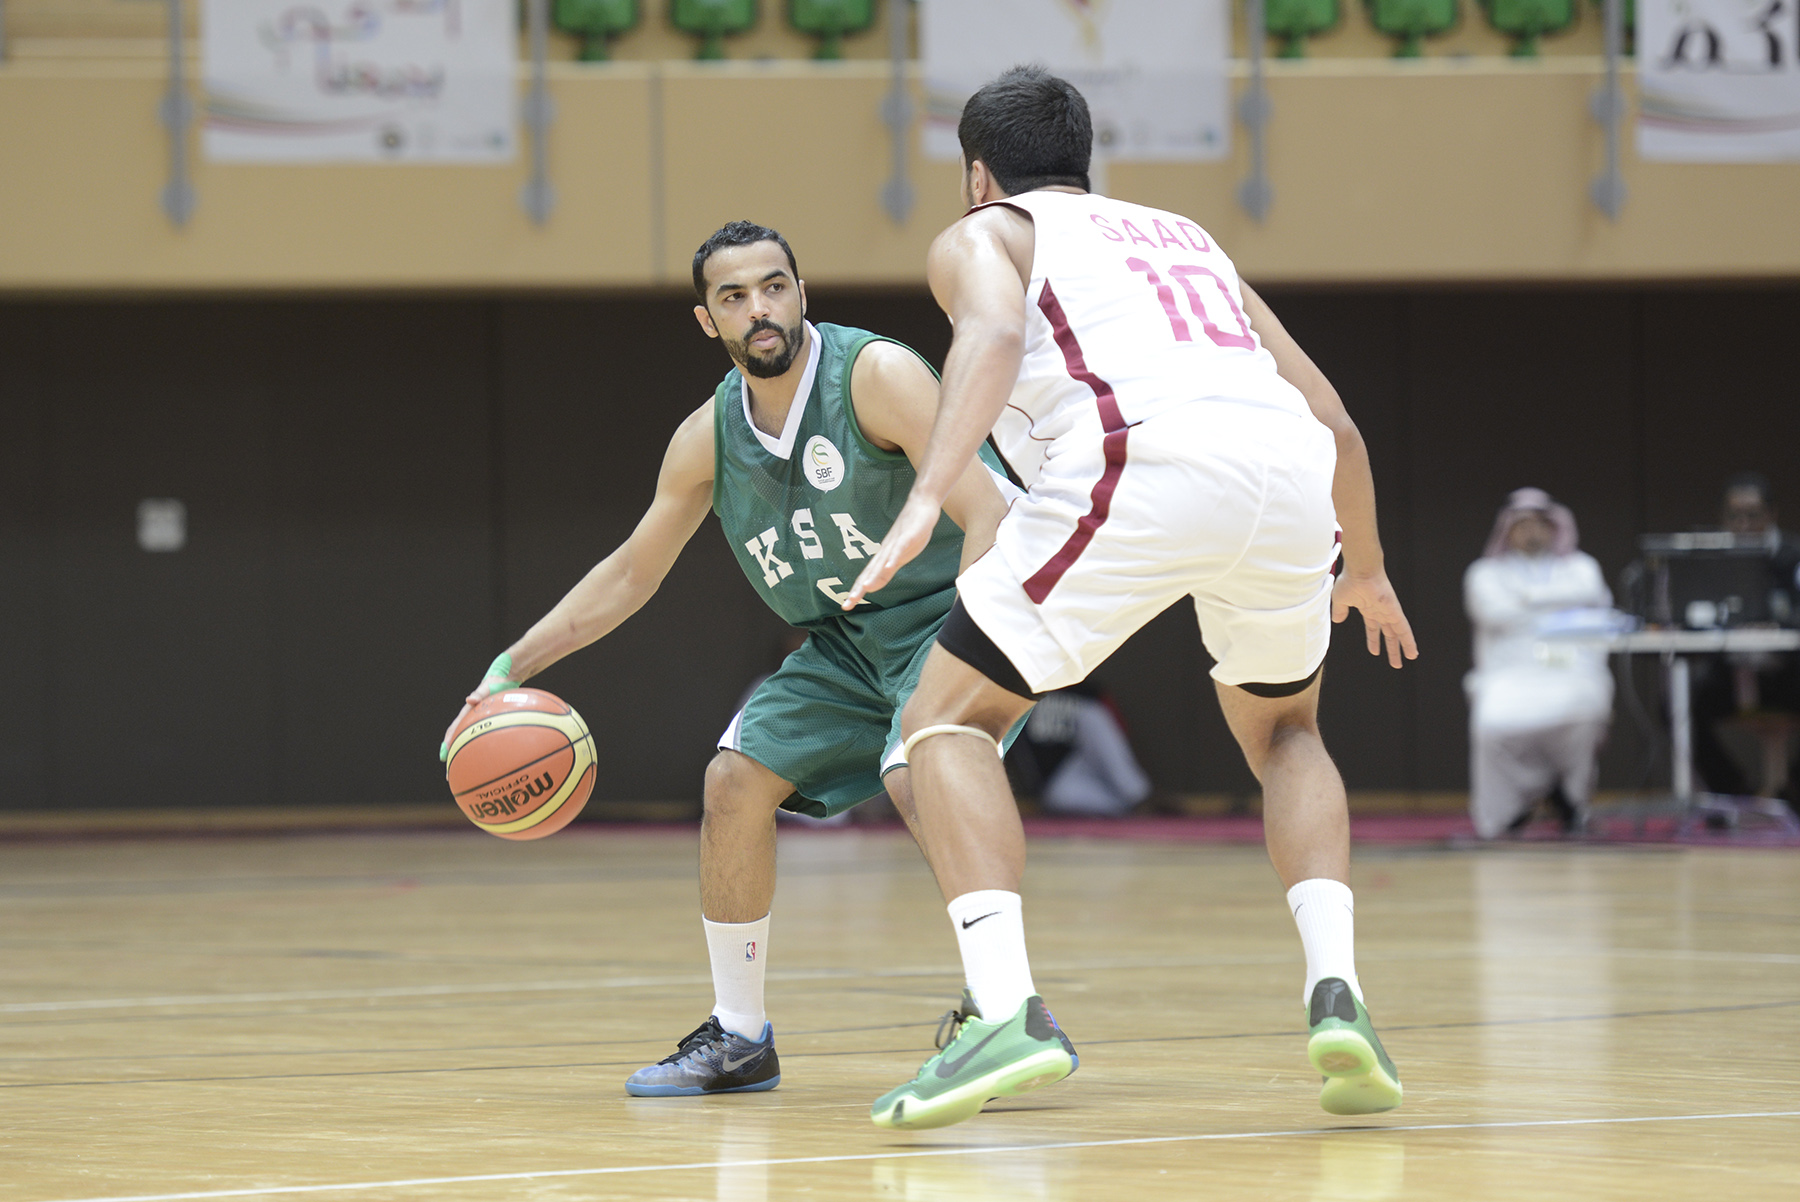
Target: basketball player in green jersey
803,449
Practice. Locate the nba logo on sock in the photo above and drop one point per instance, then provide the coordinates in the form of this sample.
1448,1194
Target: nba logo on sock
750,950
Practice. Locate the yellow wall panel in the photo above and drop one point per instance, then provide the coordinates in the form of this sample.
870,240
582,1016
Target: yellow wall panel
805,152
1424,171
84,160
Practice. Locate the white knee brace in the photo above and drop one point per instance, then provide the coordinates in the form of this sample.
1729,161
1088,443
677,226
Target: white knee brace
947,729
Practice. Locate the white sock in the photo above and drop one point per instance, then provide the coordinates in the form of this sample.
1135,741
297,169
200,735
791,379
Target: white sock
990,930
1325,912
739,950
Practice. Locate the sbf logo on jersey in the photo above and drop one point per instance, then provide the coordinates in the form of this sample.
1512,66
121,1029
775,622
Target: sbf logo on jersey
824,467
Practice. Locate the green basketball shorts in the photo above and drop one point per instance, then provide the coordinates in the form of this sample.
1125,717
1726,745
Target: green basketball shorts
828,721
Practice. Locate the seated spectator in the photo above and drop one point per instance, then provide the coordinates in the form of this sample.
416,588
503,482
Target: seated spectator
1727,685
1538,712
1074,758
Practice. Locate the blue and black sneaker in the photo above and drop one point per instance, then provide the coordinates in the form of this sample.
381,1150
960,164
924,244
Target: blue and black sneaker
711,1060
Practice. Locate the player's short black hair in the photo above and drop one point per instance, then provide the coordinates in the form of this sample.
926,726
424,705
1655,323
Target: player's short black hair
736,233
1031,129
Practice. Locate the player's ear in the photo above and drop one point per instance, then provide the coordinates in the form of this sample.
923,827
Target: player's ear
801,284
979,183
706,321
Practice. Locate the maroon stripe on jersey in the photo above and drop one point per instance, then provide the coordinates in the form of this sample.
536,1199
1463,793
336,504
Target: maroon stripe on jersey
1112,421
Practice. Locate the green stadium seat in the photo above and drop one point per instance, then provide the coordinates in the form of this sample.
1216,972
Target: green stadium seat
597,22
830,20
1293,21
712,21
1410,21
1527,20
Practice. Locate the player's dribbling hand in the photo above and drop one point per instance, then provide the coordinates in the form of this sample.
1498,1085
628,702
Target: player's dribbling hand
907,537
1383,619
498,678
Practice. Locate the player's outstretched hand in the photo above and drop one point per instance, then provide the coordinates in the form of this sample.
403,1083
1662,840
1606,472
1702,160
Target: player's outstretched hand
1383,619
907,537
498,678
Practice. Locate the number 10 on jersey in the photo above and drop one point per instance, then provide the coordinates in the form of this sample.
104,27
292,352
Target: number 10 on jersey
1185,276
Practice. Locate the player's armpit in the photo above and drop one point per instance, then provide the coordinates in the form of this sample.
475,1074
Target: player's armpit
1294,365
976,281
1353,484
896,400
895,397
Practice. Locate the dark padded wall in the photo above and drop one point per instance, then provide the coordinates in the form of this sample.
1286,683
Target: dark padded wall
25,655
382,467
334,462
382,493
160,689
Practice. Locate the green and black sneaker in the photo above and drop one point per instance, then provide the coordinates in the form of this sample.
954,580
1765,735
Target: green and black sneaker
1359,1077
981,1061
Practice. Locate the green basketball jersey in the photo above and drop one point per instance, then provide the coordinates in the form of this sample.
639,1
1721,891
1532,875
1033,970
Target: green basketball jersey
803,512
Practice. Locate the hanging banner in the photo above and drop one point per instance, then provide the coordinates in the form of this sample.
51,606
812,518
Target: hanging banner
1154,71
424,81
1720,80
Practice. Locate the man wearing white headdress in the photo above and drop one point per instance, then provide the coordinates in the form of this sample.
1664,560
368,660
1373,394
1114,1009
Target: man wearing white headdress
1538,710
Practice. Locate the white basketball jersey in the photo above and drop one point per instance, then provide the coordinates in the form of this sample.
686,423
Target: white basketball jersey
1130,311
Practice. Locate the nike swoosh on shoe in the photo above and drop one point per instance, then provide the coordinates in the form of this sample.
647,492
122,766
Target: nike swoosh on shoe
949,1068
733,1064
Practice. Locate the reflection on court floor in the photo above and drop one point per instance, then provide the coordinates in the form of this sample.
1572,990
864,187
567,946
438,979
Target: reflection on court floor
441,1016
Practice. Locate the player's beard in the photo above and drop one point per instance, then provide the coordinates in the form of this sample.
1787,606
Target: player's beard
766,368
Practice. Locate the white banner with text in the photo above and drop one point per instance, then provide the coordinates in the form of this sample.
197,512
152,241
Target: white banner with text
1719,80
429,81
1154,71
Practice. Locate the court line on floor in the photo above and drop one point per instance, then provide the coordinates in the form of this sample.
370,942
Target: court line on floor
1467,1024
787,1033
82,887
823,974
490,987
606,1064
1139,1141
320,995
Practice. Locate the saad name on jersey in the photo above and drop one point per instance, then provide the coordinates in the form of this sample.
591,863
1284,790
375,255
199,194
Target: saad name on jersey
1195,237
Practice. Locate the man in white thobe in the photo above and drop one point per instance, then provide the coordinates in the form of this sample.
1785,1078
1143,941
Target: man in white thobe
1538,709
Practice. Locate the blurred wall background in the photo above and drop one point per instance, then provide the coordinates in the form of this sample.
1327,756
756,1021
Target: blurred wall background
382,492
403,418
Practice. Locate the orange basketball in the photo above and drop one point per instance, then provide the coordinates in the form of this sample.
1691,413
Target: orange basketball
521,765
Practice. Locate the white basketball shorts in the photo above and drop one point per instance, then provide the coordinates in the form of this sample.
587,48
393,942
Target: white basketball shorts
1225,502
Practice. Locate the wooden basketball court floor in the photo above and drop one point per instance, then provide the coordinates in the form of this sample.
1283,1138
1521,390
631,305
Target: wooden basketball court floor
449,1017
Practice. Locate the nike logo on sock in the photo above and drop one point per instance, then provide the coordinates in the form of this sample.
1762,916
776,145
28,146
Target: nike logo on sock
969,922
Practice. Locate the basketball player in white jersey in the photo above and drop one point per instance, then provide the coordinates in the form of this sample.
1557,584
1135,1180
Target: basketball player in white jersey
1175,442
